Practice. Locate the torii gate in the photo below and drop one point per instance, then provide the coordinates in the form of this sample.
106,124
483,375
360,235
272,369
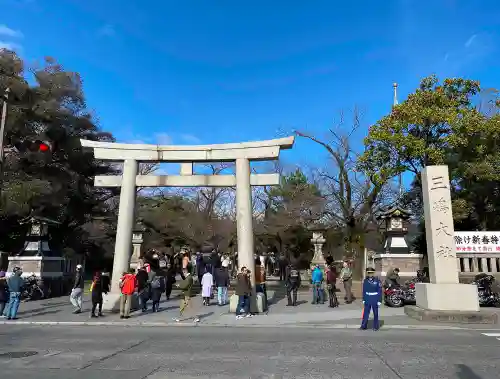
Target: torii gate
132,154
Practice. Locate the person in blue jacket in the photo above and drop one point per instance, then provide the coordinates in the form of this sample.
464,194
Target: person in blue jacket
372,298
317,284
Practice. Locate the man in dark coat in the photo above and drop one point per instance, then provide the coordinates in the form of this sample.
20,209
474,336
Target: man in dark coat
169,280
292,284
143,288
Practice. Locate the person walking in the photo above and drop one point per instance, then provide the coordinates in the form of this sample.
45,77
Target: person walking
186,286
260,279
222,283
331,281
207,282
128,285
292,284
200,266
243,291
4,292
76,296
97,289
282,263
169,280
15,284
372,298
157,288
346,279
317,284
143,289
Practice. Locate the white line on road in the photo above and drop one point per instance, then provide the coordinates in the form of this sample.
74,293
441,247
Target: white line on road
491,334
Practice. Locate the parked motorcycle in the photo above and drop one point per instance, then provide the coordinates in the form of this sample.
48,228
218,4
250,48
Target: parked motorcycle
398,296
487,297
32,290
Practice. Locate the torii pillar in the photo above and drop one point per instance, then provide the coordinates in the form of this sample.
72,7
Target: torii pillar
131,154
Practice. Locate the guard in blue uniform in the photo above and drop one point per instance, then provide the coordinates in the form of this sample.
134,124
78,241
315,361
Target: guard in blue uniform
372,298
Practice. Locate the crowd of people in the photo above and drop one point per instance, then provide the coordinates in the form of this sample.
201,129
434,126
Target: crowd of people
214,272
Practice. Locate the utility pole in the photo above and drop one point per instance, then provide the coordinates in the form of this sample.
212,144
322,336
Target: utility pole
2,133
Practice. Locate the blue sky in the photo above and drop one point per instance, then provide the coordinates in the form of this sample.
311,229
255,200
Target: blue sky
209,71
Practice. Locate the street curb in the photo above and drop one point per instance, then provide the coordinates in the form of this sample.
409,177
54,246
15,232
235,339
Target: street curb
198,325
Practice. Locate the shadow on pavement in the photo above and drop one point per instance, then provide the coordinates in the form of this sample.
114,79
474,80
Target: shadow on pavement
465,372
42,313
139,312
44,307
205,315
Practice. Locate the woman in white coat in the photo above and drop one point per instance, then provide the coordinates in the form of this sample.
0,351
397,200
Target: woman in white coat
207,282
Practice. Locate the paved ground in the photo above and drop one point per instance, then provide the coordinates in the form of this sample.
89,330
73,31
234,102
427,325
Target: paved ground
228,353
60,310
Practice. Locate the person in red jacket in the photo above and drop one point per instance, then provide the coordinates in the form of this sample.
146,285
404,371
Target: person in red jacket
128,285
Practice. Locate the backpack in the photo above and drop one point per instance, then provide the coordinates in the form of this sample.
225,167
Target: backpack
294,274
331,276
156,283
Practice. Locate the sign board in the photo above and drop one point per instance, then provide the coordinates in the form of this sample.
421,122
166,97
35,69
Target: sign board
477,242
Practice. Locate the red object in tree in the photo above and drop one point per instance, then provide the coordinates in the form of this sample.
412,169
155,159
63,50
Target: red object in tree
43,147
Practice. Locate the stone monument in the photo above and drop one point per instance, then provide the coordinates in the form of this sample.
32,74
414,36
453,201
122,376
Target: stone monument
318,241
444,292
137,240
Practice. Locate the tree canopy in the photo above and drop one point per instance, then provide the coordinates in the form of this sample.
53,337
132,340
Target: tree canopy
58,184
443,123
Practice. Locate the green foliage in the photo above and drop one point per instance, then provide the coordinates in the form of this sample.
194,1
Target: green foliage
58,185
421,131
440,123
289,209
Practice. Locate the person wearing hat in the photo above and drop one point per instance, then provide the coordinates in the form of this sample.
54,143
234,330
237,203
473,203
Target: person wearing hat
76,297
15,284
372,298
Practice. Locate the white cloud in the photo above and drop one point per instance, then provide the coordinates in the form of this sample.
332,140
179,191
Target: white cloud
10,46
470,40
8,32
189,138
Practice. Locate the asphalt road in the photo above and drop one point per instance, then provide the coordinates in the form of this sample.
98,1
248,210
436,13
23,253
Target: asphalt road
211,352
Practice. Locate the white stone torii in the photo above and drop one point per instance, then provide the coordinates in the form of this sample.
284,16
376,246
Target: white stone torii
132,154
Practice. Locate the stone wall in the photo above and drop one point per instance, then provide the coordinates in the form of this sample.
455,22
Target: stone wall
408,265
34,266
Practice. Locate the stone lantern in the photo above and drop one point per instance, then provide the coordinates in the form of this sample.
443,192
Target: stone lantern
318,241
396,251
37,258
37,238
137,240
